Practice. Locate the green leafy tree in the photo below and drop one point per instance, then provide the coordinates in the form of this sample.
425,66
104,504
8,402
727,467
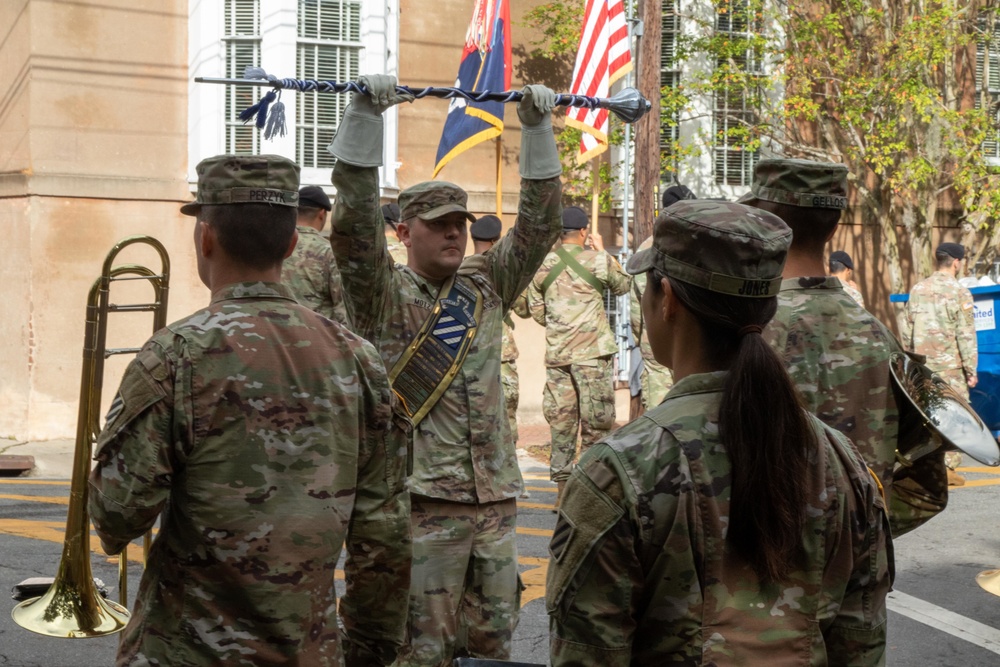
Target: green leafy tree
887,88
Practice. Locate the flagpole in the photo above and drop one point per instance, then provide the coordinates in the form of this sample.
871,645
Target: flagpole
499,176
624,302
594,195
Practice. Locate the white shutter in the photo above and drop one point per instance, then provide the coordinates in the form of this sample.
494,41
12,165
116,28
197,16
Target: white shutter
734,108
329,47
241,37
670,74
988,66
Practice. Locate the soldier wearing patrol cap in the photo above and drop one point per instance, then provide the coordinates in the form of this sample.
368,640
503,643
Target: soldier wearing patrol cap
567,298
817,321
940,326
438,323
725,525
310,272
258,432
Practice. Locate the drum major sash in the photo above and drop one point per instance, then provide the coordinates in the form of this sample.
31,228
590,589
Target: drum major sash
432,360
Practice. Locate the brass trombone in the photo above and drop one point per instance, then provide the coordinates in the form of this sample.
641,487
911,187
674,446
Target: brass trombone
72,606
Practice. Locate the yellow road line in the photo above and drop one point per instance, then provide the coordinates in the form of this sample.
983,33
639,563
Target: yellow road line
34,482
989,470
976,482
538,532
55,531
543,489
55,500
536,506
537,478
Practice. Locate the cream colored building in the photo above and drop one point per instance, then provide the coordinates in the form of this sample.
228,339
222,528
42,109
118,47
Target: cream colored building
101,127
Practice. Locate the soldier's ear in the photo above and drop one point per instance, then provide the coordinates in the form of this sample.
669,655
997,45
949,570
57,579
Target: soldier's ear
670,304
403,232
205,238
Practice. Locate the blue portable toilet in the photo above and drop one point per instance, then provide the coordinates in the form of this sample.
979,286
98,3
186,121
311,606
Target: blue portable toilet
985,396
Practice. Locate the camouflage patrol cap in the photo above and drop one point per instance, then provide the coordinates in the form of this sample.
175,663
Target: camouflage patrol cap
433,199
245,179
799,183
721,246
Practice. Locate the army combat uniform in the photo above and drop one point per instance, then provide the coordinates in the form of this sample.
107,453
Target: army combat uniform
579,399
941,327
465,477
836,352
311,274
258,432
656,378
641,573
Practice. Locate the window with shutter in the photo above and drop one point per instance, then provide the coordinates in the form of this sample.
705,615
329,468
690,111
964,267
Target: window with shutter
670,76
305,39
988,82
241,39
329,48
735,105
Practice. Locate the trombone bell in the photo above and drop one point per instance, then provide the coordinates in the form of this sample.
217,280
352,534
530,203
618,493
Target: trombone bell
64,612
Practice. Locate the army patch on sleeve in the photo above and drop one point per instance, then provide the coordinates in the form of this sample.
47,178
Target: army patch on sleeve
561,537
116,408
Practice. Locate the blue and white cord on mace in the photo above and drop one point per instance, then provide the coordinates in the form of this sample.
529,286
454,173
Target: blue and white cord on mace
628,104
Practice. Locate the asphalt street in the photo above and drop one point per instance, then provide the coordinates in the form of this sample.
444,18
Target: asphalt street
938,616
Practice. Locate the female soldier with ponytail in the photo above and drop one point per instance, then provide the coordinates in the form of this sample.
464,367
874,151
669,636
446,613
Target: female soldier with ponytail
727,526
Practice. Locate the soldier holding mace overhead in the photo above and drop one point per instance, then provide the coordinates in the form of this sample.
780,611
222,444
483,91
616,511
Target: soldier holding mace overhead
438,328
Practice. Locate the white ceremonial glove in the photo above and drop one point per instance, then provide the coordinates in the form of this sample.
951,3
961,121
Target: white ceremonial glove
359,137
539,155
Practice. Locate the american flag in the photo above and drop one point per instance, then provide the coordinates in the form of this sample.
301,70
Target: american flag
603,58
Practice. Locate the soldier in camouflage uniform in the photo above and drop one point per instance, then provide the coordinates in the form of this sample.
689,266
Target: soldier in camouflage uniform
390,213
837,352
667,549
940,326
310,273
485,233
464,596
842,267
260,434
567,298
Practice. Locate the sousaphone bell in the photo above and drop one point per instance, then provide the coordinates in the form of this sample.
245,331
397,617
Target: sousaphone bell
932,404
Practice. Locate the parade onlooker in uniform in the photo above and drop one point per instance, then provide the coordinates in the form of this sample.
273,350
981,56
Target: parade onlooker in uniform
940,323
656,378
485,233
258,432
390,213
439,328
310,272
836,352
726,525
567,297
842,268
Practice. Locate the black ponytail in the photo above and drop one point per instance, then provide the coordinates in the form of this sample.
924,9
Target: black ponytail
761,424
